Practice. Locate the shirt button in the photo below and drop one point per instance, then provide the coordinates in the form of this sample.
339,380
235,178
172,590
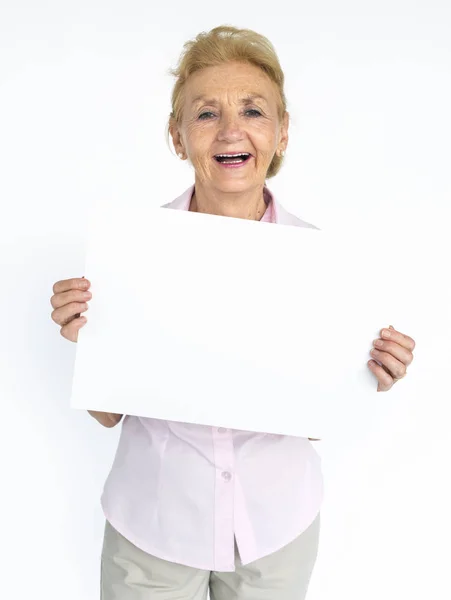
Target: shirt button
226,476
222,429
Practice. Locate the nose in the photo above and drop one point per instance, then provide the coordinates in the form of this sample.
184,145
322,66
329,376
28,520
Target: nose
229,128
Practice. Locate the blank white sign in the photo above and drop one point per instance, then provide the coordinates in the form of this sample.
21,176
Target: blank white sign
229,322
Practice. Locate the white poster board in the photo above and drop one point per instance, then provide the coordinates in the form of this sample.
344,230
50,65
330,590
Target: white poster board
232,323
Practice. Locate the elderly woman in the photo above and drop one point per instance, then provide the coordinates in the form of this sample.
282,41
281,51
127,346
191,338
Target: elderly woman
189,508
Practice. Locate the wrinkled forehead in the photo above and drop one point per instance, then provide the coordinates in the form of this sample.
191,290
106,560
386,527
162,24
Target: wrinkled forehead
241,83
241,97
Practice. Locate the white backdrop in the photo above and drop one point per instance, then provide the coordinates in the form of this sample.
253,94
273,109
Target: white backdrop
84,97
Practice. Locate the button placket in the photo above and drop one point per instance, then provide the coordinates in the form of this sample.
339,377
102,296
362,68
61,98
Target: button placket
224,457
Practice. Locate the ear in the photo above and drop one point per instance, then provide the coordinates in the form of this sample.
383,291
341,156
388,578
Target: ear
283,133
176,137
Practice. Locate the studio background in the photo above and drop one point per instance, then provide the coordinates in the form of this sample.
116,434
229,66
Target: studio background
84,100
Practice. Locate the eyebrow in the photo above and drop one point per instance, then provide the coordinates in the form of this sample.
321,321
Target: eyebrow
245,100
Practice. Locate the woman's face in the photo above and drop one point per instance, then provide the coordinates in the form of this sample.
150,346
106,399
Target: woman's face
230,109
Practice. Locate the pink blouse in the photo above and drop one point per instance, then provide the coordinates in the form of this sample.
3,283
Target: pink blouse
185,492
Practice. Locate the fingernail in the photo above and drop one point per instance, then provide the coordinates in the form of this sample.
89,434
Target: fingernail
386,333
378,343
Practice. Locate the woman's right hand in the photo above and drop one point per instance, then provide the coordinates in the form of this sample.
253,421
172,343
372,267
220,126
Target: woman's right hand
69,300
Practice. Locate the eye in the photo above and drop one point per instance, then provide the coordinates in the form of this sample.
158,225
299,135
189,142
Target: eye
254,112
203,116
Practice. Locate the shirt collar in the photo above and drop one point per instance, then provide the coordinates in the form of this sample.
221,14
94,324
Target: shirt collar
267,195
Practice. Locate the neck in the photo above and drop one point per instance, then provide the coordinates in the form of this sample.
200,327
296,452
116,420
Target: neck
242,205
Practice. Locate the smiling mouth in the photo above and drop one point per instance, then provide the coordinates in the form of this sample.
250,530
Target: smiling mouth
232,159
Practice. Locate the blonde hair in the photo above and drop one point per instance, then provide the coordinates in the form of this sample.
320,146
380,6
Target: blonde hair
225,44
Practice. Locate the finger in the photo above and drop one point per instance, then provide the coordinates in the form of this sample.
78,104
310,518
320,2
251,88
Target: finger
71,284
114,418
398,337
399,352
62,316
63,298
70,331
384,379
396,368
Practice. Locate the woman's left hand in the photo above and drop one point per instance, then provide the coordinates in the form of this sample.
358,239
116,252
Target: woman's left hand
394,351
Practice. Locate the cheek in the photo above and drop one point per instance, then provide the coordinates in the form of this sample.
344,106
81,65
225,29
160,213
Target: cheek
265,138
197,142
202,166
265,151
199,152
200,158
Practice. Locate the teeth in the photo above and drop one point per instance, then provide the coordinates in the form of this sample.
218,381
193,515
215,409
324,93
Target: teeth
233,155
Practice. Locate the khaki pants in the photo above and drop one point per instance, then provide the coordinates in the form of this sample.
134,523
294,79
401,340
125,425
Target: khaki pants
128,573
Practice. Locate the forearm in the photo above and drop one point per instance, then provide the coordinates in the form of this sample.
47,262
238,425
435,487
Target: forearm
106,419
